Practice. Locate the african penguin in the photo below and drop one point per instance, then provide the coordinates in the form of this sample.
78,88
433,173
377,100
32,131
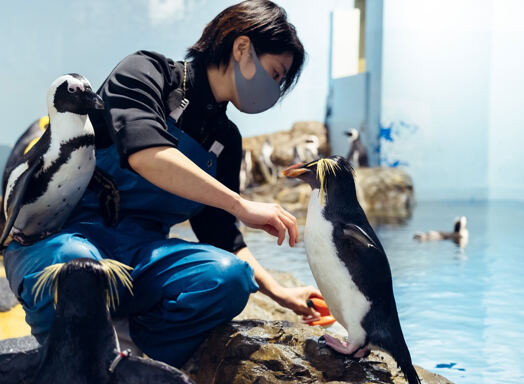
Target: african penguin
357,153
349,264
459,236
268,168
45,177
81,346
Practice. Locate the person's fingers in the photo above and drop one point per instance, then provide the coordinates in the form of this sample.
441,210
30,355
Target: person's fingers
314,292
309,319
280,227
291,228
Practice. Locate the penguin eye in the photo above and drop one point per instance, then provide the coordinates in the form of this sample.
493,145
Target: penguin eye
71,90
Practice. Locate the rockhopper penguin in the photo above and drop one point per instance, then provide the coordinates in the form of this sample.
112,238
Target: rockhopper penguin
82,346
349,264
43,182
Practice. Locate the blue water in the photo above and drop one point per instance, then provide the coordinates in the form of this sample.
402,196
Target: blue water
462,311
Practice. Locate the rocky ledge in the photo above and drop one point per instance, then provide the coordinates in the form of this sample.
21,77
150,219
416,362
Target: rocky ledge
278,352
281,350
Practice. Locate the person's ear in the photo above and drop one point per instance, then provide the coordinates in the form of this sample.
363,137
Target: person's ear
241,48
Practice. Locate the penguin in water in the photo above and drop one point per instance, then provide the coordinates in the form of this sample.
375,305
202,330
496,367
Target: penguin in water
459,236
82,346
349,264
47,173
357,155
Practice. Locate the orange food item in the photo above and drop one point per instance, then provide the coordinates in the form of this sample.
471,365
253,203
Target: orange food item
320,305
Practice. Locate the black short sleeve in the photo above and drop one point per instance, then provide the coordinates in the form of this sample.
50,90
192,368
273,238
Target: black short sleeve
134,95
216,226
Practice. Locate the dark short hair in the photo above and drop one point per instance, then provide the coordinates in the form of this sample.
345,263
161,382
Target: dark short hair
264,22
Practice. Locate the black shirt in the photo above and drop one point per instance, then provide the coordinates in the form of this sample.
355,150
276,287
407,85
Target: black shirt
136,97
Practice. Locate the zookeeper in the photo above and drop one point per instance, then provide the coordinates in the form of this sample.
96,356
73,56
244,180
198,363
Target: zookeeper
166,140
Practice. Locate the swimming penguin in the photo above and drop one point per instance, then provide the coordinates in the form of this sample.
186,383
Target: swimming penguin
349,264
82,346
459,236
357,155
46,175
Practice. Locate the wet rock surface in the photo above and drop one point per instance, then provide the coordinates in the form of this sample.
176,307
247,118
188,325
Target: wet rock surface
258,351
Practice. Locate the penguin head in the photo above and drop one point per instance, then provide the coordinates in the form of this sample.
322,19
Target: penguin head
352,134
328,175
94,281
72,93
460,224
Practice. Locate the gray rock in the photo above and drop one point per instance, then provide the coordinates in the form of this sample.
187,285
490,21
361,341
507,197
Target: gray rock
7,298
278,352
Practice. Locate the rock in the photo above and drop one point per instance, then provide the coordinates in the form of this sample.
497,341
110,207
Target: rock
7,298
385,192
283,143
277,352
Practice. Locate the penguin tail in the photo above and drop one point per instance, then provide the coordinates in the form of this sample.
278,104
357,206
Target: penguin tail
401,355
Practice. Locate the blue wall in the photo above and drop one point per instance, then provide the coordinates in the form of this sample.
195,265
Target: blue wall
45,39
452,96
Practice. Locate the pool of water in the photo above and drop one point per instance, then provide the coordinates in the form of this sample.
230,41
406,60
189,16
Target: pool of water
462,311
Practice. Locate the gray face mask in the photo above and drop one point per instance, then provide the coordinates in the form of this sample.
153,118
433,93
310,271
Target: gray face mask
260,92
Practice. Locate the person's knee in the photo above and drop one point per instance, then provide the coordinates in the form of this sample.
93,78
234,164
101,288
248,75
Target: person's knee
236,283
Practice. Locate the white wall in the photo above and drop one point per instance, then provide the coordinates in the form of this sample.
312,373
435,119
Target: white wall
45,39
506,123
452,92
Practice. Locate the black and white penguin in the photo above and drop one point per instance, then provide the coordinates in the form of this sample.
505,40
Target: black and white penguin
268,168
46,175
82,346
349,264
357,155
246,170
459,236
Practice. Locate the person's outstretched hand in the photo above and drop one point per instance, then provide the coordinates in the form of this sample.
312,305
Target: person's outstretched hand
270,217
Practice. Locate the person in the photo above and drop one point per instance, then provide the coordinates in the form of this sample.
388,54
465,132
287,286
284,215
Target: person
165,139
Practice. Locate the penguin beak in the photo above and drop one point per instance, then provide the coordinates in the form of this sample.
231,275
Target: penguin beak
295,170
92,100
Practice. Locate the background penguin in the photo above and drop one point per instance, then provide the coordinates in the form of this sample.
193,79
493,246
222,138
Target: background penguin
82,346
459,236
268,168
349,264
357,155
246,170
46,176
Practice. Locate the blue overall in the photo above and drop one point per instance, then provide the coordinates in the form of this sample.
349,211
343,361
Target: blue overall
181,289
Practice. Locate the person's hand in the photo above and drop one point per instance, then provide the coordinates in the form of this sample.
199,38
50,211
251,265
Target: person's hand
295,299
270,217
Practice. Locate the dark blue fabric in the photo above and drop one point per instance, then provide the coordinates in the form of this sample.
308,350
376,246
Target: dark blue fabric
181,289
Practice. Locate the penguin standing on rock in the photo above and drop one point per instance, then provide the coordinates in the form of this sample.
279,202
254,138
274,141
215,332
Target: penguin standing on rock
349,264
47,175
357,155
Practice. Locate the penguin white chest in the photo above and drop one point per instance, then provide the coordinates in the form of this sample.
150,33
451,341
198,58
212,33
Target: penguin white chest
344,299
63,192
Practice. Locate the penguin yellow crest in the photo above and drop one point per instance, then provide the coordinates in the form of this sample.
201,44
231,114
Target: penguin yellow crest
114,270
324,168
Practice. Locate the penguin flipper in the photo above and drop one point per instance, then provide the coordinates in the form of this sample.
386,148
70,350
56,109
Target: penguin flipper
14,204
356,233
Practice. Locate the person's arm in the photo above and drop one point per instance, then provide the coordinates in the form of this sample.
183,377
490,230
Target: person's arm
172,171
293,298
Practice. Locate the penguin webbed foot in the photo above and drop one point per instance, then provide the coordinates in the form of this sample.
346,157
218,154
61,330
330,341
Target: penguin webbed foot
108,196
346,348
